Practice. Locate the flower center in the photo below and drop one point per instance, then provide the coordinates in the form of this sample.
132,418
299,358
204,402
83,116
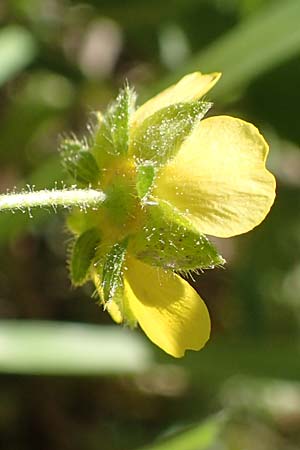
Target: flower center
122,206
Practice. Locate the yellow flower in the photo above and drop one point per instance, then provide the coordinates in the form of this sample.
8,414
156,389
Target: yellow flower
170,178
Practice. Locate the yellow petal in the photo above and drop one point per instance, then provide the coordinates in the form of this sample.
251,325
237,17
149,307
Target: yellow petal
218,178
191,87
168,309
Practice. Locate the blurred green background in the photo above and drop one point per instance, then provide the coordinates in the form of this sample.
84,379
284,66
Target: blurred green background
69,378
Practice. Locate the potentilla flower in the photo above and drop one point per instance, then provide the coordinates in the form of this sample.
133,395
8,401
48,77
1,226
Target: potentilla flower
170,177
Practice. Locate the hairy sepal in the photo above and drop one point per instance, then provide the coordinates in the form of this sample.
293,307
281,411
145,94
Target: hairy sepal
113,134
79,162
170,241
82,255
159,137
112,270
112,285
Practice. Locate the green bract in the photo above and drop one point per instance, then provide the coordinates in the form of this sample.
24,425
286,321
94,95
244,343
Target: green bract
112,270
112,137
79,162
83,252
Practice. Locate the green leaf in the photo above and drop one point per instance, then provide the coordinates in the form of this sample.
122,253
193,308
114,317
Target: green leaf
145,178
82,255
58,348
201,437
113,134
112,270
79,162
160,136
254,46
17,50
169,240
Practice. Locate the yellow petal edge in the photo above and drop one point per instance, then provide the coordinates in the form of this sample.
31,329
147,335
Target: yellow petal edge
218,179
168,309
189,88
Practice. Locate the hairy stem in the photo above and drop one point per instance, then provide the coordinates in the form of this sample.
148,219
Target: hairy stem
83,198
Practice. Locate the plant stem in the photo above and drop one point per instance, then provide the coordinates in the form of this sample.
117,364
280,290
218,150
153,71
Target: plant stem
83,198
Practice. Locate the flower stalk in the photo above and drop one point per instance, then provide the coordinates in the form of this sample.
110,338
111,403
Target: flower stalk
65,198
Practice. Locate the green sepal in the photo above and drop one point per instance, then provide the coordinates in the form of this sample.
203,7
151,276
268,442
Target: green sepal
113,134
160,136
144,181
128,316
82,256
110,286
169,240
112,270
79,162
120,200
